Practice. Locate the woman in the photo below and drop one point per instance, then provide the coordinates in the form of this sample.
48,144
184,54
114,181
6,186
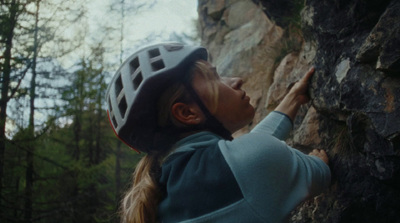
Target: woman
166,100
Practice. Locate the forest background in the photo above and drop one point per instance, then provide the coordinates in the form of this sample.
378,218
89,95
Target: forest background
59,159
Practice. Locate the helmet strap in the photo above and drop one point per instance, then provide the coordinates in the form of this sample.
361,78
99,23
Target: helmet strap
211,122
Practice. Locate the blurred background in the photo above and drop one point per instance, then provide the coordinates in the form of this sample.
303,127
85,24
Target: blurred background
60,160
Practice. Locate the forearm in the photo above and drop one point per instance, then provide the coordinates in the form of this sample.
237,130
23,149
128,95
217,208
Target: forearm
289,105
296,96
275,124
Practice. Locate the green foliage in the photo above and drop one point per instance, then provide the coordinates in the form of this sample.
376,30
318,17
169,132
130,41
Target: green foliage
294,20
293,35
68,167
342,142
291,43
74,163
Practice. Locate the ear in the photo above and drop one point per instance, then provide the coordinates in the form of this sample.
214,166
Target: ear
189,114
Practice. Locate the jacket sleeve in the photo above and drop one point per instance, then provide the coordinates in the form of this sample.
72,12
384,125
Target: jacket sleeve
274,178
276,124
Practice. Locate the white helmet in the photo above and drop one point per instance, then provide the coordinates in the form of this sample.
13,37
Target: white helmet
135,88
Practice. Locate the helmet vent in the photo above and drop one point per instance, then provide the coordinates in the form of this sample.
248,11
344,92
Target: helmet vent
156,60
114,121
134,65
137,80
154,53
122,105
118,85
136,73
157,65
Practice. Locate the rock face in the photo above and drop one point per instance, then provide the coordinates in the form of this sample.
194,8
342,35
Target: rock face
355,110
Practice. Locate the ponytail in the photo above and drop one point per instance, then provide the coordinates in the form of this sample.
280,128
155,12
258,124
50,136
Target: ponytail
140,202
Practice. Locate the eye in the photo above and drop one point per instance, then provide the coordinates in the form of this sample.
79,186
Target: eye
233,82
226,81
215,73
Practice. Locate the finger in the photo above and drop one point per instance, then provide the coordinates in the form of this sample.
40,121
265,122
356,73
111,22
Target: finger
308,75
323,152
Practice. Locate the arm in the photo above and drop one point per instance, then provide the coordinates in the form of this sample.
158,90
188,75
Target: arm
291,103
274,177
296,97
280,122
275,124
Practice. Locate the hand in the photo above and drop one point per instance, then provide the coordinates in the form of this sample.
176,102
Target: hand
320,154
296,96
300,88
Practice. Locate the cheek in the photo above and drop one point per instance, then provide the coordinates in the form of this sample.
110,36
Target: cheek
229,106
209,98
212,97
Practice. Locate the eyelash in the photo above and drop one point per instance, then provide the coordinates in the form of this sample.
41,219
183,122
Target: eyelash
215,73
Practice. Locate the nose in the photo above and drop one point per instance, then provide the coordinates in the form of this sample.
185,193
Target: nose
234,82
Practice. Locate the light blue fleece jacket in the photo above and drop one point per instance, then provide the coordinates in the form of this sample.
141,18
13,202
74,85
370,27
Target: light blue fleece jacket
254,178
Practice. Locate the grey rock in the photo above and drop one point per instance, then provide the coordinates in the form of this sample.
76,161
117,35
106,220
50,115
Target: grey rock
354,113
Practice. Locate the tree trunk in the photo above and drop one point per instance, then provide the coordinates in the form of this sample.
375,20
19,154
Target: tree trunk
31,127
98,123
5,82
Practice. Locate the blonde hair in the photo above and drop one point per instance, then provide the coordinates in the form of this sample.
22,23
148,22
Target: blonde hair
141,200
212,88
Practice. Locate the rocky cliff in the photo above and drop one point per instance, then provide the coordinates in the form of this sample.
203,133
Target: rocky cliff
355,109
